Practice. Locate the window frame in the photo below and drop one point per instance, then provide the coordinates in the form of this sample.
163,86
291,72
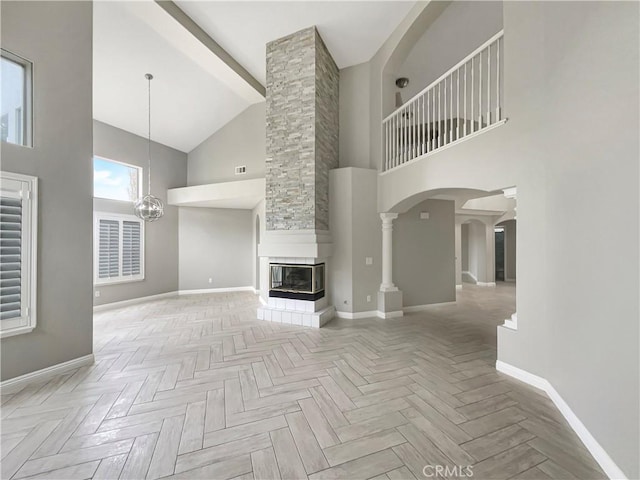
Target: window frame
105,159
120,218
25,187
27,114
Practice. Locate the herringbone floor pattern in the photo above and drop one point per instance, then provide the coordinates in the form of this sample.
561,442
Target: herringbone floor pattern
195,387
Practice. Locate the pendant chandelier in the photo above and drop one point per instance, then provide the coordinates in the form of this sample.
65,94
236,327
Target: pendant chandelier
148,207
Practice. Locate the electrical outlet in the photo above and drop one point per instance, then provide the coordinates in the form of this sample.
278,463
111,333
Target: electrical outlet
210,280
97,293
424,215
241,169
368,298
368,260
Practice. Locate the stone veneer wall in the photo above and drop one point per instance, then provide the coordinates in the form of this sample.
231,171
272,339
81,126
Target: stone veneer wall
302,131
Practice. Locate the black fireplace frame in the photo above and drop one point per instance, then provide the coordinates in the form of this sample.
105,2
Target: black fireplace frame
312,295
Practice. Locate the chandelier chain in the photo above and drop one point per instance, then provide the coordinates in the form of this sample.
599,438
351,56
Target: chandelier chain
149,77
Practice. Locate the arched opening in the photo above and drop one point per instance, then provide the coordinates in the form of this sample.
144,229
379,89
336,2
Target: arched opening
476,253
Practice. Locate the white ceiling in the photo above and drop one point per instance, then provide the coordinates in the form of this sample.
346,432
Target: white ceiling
352,30
194,93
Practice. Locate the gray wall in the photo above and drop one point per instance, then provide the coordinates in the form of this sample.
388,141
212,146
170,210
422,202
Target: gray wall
581,335
61,159
424,254
216,243
457,32
367,240
239,142
510,232
341,227
478,252
168,170
354,116
464,228
356,234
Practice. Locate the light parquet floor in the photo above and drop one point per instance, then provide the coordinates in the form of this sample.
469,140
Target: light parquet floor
194,387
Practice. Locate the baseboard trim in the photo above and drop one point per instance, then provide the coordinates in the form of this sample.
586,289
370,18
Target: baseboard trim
216,290
458,287
135,301
419,308
596,450
132,301
470,275
357,315
396,314
486,284
45,373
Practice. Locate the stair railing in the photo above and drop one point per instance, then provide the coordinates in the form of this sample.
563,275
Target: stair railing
464,101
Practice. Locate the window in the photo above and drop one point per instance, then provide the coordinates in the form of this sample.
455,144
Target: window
15,118
115,180
18,242
119,248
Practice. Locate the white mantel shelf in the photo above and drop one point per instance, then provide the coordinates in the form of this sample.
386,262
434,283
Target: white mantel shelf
242,194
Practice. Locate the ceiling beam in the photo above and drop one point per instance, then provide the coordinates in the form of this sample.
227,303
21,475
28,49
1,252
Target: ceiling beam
192,27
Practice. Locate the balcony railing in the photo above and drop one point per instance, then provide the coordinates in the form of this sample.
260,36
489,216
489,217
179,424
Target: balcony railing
464,101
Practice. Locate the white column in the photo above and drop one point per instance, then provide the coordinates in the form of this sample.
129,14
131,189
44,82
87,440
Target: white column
458,253
387,252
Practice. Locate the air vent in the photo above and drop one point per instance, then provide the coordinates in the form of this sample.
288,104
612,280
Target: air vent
241,169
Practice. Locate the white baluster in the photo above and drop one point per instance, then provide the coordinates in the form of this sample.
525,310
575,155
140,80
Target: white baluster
480,92
388,143
473,120
445,106
498,113
396,139
413,130
458,105
451,108
405,135
433,119
423,145
489,85
385,161
439,113
465,101
427,138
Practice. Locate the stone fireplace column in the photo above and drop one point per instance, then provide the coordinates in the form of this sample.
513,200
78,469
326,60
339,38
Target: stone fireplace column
389,297
302,139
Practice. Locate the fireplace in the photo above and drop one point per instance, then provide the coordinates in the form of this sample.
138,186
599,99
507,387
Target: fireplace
296,281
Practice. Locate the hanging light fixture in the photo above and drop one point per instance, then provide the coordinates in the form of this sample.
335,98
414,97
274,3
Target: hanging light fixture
148,207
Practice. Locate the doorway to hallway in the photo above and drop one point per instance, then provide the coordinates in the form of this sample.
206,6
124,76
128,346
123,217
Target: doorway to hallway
499,258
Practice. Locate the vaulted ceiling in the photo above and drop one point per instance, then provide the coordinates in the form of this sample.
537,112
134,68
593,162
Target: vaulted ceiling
195,93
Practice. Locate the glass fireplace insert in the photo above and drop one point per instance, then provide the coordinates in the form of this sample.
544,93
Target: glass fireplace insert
297,282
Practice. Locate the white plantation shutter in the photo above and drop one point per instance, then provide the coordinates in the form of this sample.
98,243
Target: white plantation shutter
108,248
18,240
10,257
119,250
131,248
